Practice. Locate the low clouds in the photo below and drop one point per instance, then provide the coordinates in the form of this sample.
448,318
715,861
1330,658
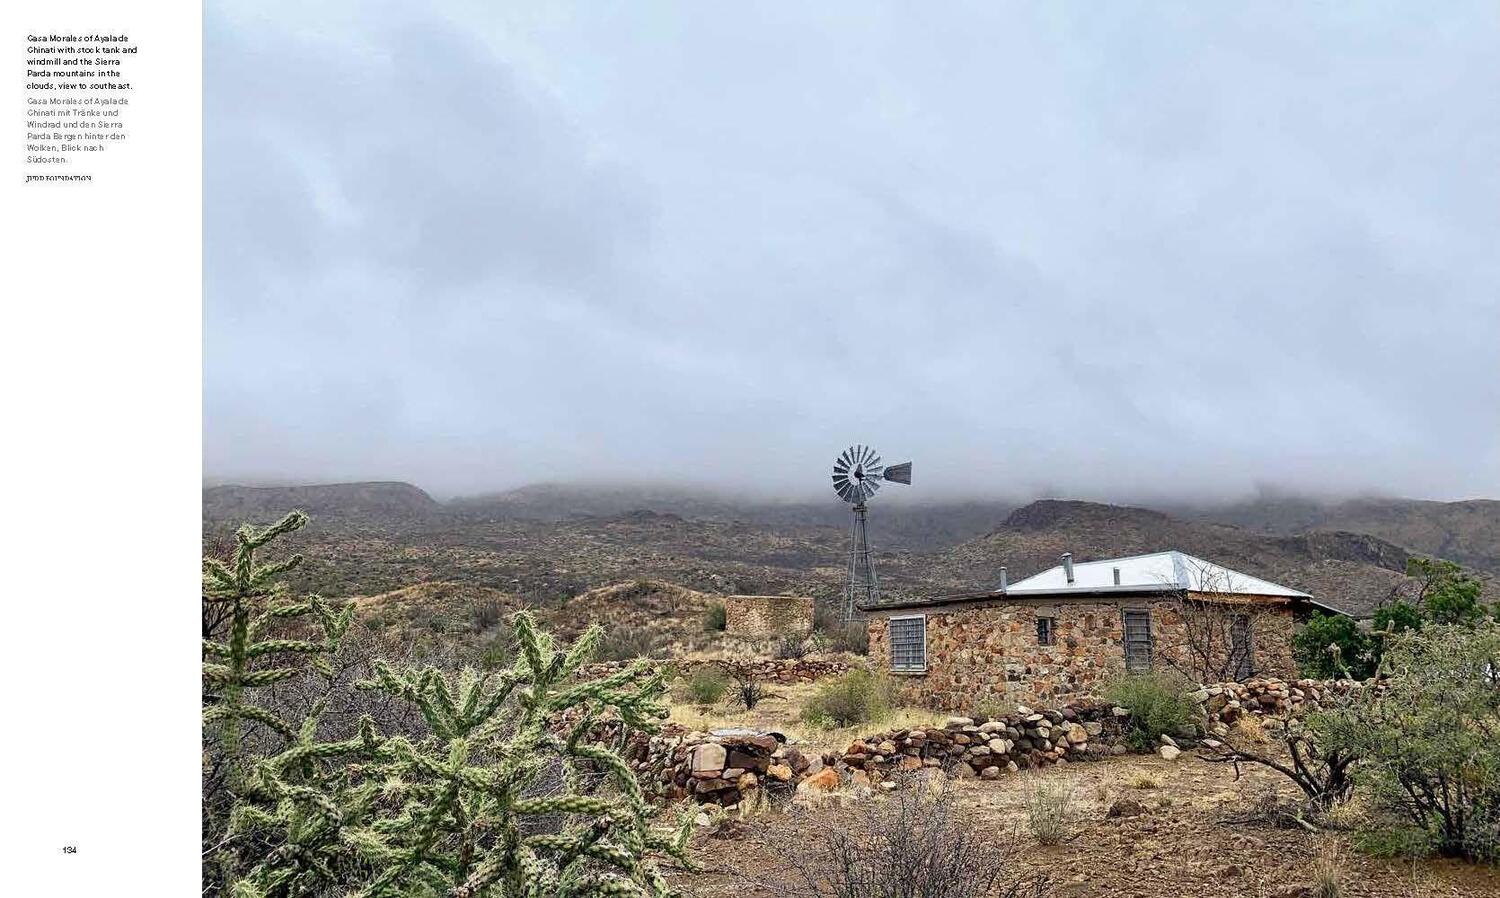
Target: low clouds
1184,253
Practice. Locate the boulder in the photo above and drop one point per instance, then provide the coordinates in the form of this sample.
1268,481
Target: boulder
825,780
707,759
1126,807
1169,752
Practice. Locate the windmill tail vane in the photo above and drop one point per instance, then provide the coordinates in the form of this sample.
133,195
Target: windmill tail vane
857,475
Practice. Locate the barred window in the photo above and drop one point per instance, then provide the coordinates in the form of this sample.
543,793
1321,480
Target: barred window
1137,640
908,643
1046,631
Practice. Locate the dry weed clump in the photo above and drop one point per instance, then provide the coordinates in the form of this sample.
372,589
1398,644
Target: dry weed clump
1048,806
1143,780
915,843
1329,870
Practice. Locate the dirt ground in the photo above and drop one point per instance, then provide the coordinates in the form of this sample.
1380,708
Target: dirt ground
1179,848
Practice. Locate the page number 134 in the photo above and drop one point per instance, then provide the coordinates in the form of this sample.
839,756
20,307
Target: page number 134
70,849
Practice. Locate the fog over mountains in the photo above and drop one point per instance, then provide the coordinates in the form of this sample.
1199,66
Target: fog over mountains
1131,253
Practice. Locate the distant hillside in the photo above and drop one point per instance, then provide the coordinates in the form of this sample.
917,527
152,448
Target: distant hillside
544,546
262,504
1466,532
892,525
1348,570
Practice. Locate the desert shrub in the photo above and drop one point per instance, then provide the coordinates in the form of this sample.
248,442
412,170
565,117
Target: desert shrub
751,690
1300,749
1311,647
629,643
859,696
1048,806
832,633
487,613
1427,744
715,618
854,639
792,647
706,685
914,844
1158,702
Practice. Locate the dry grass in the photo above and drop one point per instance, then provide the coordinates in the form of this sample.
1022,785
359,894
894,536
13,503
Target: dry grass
1143,779
1048,805
1329,870
1250,729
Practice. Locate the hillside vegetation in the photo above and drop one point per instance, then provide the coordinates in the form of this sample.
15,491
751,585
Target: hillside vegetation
543,547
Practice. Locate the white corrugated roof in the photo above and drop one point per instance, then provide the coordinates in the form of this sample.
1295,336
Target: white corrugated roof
1161,570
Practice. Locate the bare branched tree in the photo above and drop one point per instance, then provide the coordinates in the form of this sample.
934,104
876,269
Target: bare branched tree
1217,640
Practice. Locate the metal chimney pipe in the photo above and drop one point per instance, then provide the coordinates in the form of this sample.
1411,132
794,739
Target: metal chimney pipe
1067,560
1117,576
1003,583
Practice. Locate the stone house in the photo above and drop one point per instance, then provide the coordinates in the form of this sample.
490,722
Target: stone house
1060,635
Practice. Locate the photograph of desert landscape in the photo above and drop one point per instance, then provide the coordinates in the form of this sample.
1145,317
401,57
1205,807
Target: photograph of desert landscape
851,450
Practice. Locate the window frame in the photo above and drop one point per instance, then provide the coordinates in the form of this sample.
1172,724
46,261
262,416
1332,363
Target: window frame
1247,662
1050,621
1125,639
891,640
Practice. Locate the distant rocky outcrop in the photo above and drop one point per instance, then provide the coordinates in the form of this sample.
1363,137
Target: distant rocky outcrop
1351,571
1467,532
384,500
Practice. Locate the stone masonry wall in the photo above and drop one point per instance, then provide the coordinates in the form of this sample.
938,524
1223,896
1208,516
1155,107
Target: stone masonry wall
986,653
763,616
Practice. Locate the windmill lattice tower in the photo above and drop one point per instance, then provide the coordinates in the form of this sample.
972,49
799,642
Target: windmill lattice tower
857,474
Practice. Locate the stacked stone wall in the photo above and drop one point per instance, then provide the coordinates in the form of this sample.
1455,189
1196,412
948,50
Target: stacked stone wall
762,617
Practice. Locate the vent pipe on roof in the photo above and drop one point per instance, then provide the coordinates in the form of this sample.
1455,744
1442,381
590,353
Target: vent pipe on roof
1117,576
1003,583
1067,560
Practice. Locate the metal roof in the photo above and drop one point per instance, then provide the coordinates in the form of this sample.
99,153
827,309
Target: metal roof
1159,570
1154,574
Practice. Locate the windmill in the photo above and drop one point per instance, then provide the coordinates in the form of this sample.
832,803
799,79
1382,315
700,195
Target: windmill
856,476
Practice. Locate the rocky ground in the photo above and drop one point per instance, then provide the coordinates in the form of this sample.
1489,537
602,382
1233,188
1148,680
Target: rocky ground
1179,845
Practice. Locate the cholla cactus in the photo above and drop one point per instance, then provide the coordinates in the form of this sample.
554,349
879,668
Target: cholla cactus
465,812
253,594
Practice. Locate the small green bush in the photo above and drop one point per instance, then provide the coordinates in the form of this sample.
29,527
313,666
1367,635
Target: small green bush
706,685
1426,744
858,696
715,618
1158,702
1311,648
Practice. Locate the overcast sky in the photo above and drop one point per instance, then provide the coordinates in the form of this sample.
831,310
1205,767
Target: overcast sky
1070,249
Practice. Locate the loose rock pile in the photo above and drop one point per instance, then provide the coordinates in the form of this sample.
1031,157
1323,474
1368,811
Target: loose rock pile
988,747
723,767
726,767
1224,703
